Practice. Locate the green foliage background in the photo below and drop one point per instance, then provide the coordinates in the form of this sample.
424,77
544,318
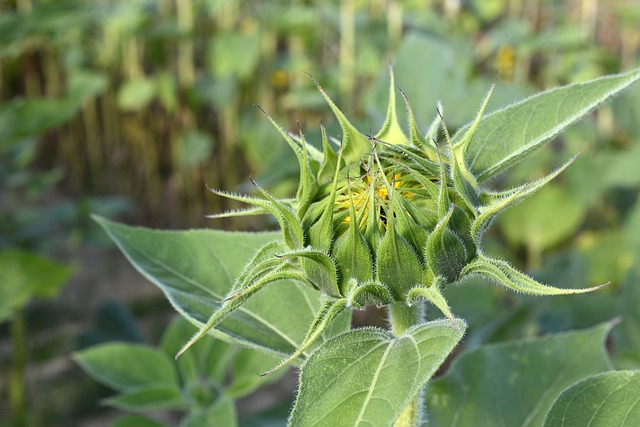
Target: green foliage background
130,107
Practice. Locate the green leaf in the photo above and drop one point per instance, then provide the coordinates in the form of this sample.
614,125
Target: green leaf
196,269
608,254
208,357
235,55
24,275
366,376
627,335
245,367
125,366
136,93
607,399
194,148
331,308
223,413
506,136
514,384
232,303
176,334
137,421
166,90
84,85
546,219
22,118
505,199
148,398
427,81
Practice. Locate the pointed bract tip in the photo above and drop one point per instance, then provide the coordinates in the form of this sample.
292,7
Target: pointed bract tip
315,81
232,297
213,190
183,349
404,95
270,371
262,109
455,324
495,80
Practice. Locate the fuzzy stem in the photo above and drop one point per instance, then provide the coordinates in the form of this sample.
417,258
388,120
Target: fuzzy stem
411,414
402,317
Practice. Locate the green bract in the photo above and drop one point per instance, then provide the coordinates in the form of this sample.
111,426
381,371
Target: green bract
382,219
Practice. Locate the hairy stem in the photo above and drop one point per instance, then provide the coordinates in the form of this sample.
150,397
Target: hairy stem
402,317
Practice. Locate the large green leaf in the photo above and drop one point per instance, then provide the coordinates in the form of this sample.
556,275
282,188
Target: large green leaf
196,268
208,357
627,335
366,376
232,366
23,118
544,220
223,413
608,399
24,275
427,81
136,93
506,136
137,421
514,384
245,365
148,398
125,367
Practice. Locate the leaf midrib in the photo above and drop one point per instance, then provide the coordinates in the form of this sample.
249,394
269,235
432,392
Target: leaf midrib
376,374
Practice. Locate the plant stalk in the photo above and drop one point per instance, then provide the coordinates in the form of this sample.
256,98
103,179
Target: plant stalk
16,386
401,318
347,52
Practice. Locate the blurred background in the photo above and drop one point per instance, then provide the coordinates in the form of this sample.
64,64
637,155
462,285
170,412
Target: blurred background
129,108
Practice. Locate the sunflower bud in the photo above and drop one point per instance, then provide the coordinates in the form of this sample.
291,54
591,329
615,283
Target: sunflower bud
384,218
